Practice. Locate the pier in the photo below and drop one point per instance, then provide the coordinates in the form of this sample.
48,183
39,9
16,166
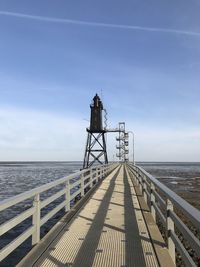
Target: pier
114,222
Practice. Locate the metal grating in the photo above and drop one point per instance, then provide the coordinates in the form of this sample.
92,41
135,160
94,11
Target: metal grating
93,240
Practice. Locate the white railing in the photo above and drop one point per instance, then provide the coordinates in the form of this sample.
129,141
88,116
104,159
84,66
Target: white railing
70,187
162,201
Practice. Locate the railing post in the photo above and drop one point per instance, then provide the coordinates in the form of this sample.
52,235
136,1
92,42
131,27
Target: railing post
36,220
137,176
91,178
170,227
67,196
144,185
104,171
140,182
99,174
153,199
102,168
96,175
82,185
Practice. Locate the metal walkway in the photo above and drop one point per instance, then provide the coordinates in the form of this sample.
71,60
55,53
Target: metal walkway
110,230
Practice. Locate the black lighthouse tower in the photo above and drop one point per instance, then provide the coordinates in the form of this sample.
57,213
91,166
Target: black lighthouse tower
95,151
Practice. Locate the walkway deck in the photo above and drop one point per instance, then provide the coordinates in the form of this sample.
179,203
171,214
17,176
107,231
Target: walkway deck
110,230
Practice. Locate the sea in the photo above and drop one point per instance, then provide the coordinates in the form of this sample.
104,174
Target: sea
18,177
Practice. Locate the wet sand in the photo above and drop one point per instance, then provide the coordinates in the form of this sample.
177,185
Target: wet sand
188,187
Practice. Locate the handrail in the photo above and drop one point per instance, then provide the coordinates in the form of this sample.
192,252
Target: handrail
169,218
78,182
186,208
4,204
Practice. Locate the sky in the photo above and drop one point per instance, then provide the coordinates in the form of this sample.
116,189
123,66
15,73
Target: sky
142,58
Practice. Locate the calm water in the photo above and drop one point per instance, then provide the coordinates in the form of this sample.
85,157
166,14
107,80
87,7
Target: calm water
16,178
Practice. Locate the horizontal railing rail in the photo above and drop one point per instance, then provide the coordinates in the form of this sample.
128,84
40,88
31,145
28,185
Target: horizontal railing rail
71,186
162,201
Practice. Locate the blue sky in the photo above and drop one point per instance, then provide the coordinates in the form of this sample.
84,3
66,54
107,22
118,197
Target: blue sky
142,58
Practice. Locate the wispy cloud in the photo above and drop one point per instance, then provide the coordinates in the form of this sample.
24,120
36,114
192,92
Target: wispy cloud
158,143
99,24
36,135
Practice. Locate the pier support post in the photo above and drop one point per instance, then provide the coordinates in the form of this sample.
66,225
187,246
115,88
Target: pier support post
153,199
170,227
67,196
36,220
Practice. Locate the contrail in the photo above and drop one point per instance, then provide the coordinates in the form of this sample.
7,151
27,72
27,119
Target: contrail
99,24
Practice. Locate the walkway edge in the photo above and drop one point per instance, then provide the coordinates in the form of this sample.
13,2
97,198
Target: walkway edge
158,242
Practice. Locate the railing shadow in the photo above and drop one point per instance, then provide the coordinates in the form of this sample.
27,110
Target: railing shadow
134,255
133,248
92,238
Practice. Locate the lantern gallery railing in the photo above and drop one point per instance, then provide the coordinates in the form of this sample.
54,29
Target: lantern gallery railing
164,203
66,189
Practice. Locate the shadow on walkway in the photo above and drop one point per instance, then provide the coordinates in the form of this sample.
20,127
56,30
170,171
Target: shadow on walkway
134,253
87,251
